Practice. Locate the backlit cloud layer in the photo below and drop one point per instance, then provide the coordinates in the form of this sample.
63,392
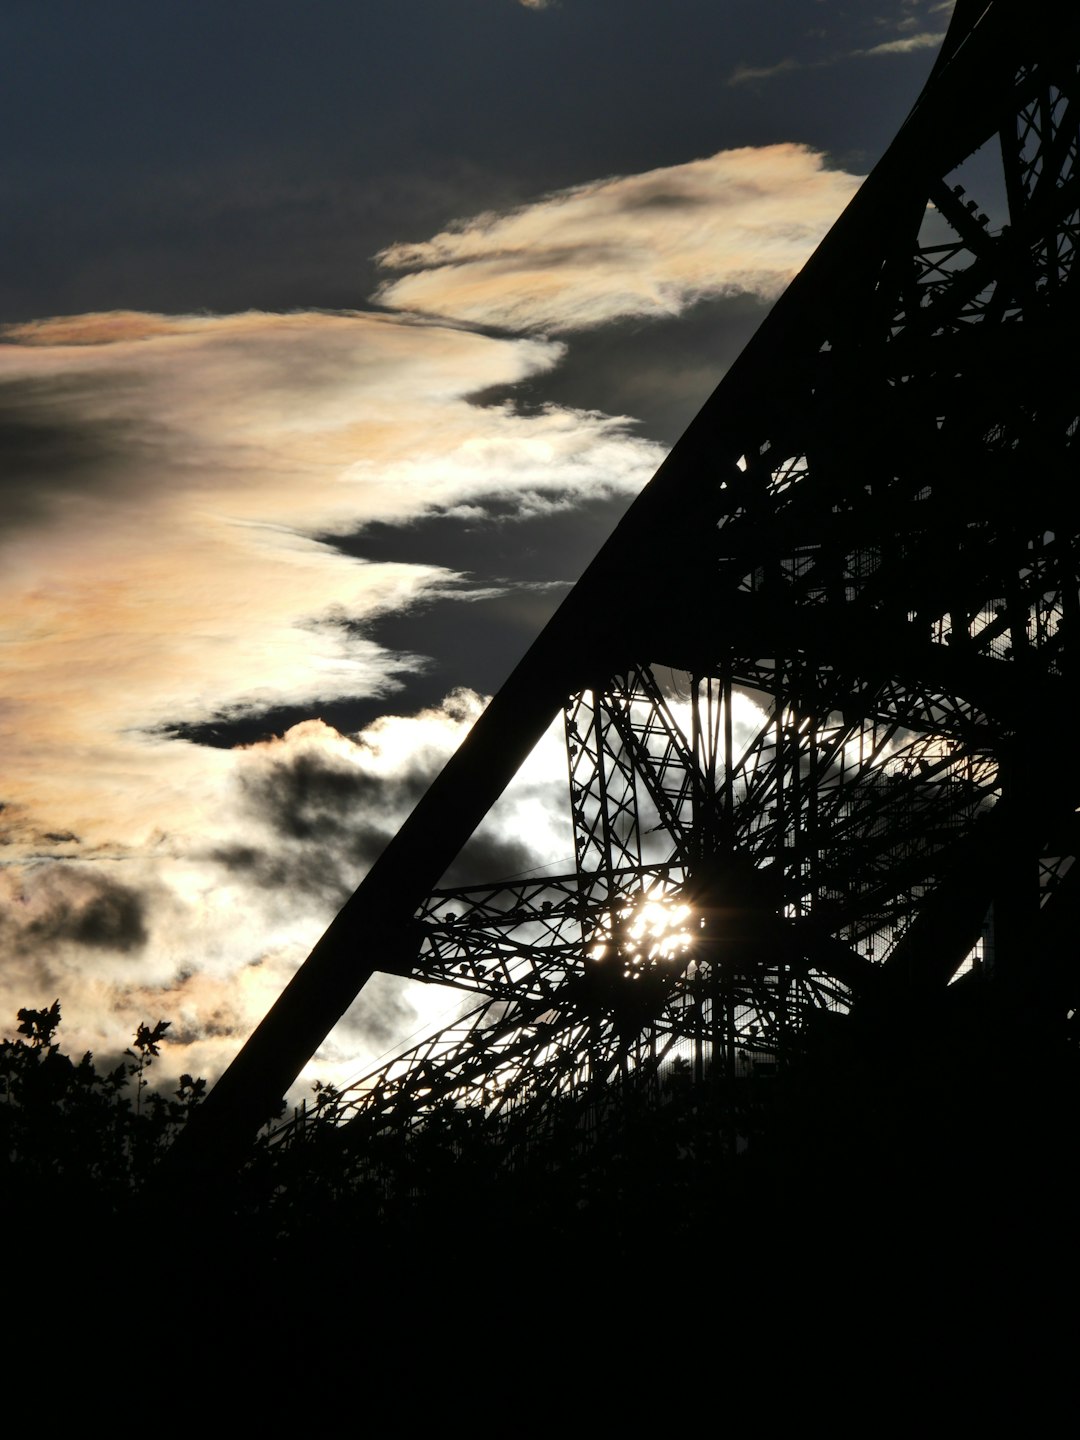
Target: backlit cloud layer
171,491
740,222
172,571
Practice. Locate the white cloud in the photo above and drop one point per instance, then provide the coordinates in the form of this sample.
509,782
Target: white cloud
925,40
903,44
741,221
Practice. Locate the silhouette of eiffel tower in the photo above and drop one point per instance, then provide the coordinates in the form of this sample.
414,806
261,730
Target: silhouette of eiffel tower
870,532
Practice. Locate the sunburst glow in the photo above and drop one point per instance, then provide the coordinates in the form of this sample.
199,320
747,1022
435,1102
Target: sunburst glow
644,935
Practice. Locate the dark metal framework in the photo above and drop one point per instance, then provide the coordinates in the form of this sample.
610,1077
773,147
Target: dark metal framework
871,531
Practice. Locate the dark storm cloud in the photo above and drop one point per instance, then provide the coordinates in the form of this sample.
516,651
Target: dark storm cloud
316,808
315,817
114,918
309,795
324,821
489,857
318,872
67,905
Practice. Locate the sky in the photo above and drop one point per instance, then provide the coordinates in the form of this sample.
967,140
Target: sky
334,339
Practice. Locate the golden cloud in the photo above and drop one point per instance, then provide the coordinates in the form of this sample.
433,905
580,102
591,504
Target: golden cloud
742,221
193,585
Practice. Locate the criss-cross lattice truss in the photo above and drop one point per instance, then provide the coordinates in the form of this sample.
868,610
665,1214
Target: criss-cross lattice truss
722,895
868,540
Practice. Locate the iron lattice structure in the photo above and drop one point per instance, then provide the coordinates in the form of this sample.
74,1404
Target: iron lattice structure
871,531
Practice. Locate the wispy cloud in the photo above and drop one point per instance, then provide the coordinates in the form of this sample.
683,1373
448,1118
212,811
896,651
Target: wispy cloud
741,222
742,73
903,42
925,40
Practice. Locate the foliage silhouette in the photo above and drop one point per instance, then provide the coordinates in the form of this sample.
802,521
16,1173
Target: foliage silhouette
851,1138
69,1133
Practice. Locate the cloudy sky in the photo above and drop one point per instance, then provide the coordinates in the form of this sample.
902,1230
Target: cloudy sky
335,338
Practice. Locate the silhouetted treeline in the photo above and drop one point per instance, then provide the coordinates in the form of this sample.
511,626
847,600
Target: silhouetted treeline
923,1145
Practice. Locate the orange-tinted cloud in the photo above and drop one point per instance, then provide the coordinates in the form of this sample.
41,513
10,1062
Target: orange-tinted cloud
742,221
174,487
